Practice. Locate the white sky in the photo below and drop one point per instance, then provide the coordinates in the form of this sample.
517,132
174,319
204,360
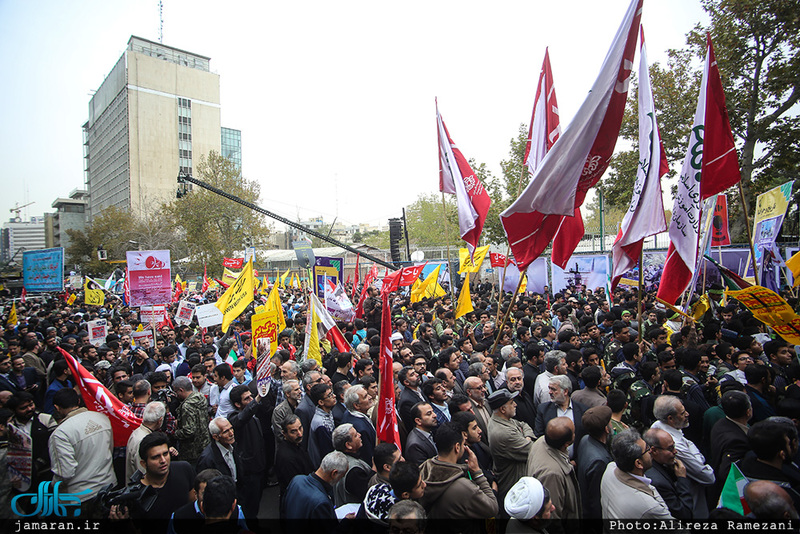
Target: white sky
335,100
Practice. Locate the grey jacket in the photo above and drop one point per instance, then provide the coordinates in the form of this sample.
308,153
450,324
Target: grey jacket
509,442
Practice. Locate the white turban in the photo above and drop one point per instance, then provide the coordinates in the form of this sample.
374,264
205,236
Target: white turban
525,498
163,367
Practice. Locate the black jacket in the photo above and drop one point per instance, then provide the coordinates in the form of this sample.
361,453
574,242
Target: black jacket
407,401
728,443
676,491
290,461
526,411
418,448
249,445
211,458
548,411
592,459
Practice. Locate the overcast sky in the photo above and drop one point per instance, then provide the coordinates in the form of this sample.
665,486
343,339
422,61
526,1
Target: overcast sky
335,100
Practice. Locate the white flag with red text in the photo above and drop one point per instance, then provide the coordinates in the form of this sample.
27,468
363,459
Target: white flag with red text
645,215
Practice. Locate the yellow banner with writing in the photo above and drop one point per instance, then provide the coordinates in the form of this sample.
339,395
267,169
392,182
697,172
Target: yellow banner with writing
228,276
265,325
471,265
770,308
237,297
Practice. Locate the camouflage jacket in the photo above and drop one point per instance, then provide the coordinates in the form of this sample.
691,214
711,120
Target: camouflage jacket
192,432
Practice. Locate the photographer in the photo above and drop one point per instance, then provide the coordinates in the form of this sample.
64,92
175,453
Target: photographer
169,483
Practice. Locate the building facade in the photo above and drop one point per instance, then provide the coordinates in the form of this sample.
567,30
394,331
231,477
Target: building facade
70,214
156,113
231,146
18,236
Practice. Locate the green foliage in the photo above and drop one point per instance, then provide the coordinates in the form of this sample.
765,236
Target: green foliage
213,226
431,225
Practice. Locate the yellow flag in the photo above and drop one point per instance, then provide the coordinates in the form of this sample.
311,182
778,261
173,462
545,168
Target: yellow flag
94,297
71,300
237,297
12,316
464,305
793,264
313,335
468,265
274,304
422,288
140,328
283,278
178,279
700,307
264,286
259,309
295,280
524,285
228,276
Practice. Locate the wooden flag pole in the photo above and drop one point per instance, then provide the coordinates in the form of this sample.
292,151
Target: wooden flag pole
639,302
447,240
505,317
749,232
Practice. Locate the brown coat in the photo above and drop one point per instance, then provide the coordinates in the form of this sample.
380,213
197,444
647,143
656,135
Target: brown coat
554,471
450,494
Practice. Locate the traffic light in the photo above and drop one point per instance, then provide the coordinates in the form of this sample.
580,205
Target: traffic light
395,235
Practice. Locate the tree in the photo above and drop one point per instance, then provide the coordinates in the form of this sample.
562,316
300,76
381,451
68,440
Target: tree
213,226
429,225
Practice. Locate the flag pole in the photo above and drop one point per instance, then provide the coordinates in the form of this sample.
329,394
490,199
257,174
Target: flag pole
447,241
639,300
749,232
505,317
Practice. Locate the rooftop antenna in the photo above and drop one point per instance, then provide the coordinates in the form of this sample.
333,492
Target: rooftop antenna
161,21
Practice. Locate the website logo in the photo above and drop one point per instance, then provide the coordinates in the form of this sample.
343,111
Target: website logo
48,502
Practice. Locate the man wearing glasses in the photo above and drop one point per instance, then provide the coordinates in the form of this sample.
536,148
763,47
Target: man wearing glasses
476,391
625,492
668,474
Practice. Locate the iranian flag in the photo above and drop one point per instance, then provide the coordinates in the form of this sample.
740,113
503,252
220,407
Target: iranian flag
732,496
581,155
457,177
711,166
645,216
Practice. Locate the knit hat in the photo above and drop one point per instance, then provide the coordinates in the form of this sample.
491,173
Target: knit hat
525,499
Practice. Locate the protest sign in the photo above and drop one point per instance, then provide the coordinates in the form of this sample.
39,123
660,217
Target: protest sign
150,277
330,267
237,297
185,312
263,364
208,315
98,330
233,263
152,314
43,270
265,325
139,336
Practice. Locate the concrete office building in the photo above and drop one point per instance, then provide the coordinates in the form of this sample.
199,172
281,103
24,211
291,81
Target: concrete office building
17,236
70,214
156,113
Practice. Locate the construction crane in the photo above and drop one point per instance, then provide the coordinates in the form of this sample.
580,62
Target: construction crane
17,208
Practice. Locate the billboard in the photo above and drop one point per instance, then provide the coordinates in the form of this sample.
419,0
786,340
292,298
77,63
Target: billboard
43,270
150,277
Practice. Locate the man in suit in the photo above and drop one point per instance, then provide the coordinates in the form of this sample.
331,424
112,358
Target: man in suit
560,388
668,474
593,457
358,402
411,394
729,435
220,453
476,391
419,444
525,409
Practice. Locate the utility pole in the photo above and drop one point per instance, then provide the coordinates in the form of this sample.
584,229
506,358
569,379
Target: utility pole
602,224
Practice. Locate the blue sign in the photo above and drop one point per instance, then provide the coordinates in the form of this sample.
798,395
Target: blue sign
43,270
48,503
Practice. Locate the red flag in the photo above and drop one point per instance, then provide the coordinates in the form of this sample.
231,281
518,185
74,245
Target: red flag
710,160
126,289
568,235
99,399
220,282
371,276
355,278
499,260
458,178
206,283
579,157
176,296
403,277
334,335
719,227
24,295
233,263
387,415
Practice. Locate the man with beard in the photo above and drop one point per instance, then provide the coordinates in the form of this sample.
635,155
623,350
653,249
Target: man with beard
668,474
291,459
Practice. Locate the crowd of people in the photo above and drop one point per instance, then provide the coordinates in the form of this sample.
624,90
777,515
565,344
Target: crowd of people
547,412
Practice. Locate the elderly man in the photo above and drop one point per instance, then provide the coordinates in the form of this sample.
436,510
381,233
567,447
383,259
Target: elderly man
358,402
549,463
353,486
555,363
515,382
305,409
309,499
293,393
510,440
625,493
672,417
476,391
192,428
152,418
220,453
668,474
593,457
559,389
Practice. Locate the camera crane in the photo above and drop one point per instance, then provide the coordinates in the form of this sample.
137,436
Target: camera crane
184,178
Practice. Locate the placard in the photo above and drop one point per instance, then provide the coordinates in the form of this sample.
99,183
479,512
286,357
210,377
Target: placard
150,277
139,336
208,315
185,312
152,314
98,330
43,270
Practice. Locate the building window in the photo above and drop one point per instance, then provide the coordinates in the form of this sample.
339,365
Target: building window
185,135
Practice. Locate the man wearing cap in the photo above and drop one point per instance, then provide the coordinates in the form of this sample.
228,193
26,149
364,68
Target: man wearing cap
593,457
509,440
530,507
549,462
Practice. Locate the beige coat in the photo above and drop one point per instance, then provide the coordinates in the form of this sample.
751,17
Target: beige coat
552,468
623,496
509,442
